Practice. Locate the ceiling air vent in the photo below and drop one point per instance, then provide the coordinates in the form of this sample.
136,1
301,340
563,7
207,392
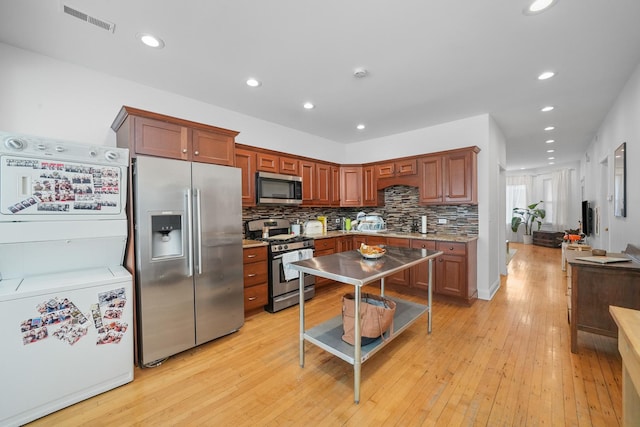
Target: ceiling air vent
105,25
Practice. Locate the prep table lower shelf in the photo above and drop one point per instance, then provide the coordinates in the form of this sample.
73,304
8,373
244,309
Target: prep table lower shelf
349,267
328,335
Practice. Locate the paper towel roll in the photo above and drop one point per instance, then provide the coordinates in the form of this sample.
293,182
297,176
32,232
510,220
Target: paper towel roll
423,226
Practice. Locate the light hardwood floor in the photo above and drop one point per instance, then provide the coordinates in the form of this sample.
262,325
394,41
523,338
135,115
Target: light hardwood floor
505,362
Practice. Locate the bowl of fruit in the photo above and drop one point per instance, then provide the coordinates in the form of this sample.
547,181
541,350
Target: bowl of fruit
371,251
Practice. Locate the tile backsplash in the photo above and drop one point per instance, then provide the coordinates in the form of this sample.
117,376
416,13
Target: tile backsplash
401,211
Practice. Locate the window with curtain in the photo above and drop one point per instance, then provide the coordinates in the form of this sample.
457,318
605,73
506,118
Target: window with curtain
547,200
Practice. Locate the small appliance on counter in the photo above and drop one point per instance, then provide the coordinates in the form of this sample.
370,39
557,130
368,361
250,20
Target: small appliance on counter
371,222
313,227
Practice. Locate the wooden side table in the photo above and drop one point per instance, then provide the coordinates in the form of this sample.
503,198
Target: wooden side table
566,246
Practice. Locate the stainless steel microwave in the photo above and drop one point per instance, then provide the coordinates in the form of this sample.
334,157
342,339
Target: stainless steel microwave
277,189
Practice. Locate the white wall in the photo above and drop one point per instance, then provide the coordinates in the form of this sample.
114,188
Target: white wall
492,241
46,97
478,130
620,125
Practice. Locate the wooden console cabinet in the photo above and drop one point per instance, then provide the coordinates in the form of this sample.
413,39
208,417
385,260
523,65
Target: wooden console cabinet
549,239
595,287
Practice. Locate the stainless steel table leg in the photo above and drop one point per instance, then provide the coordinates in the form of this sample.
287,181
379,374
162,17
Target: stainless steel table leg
357,363
301,280
429,292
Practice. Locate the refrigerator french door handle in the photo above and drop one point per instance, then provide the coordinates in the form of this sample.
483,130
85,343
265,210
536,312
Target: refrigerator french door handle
189,210
199,233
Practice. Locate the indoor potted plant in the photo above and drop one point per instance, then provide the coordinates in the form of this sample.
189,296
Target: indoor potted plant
527,216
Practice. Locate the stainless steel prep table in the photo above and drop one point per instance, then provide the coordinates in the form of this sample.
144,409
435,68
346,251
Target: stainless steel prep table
350,268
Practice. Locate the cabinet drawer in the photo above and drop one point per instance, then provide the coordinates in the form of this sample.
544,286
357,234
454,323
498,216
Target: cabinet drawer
254,273
452,248
398,241
324,244
423,244
255,296
254,254
407,167
267,162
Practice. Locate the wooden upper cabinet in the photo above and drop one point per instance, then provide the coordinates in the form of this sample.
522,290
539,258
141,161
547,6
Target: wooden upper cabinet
289,166
450,177
335,185
460,183
153,134
246,161
397,168
323,182
211,147
369,187
431,179
266,162
351,186
386,170
308,174
162,139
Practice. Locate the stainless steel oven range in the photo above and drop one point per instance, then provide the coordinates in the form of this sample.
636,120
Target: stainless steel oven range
283,248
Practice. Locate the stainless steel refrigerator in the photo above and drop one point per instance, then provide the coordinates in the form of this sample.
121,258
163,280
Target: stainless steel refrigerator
188,225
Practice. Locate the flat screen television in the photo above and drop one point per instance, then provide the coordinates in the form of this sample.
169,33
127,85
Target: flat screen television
587,218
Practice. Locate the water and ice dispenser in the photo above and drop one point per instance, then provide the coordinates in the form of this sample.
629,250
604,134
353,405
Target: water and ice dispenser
166,236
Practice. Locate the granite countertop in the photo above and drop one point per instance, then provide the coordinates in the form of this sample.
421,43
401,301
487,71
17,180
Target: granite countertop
252,243
401,235
431,236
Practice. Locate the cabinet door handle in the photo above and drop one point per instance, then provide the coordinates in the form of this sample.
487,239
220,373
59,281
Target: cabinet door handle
451,248
184,150
440,260
253,298
251,256
252,275
196,152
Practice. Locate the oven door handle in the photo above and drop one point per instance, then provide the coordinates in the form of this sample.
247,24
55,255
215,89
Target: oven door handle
297,250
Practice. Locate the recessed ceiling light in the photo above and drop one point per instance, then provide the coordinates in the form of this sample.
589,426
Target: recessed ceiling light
551,158
360,126
538,6
548,128
150,40
550,141
546,75
253,82
547,108
552,163
360,73
551,151
308,106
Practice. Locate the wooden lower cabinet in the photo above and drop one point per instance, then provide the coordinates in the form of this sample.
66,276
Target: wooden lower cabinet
402,278
420,273
255,278
344,244
456,270
324,247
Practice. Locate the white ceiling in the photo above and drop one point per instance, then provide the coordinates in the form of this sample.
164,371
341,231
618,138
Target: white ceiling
429,61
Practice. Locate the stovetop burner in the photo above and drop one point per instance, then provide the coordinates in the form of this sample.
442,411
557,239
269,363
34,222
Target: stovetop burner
278,238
